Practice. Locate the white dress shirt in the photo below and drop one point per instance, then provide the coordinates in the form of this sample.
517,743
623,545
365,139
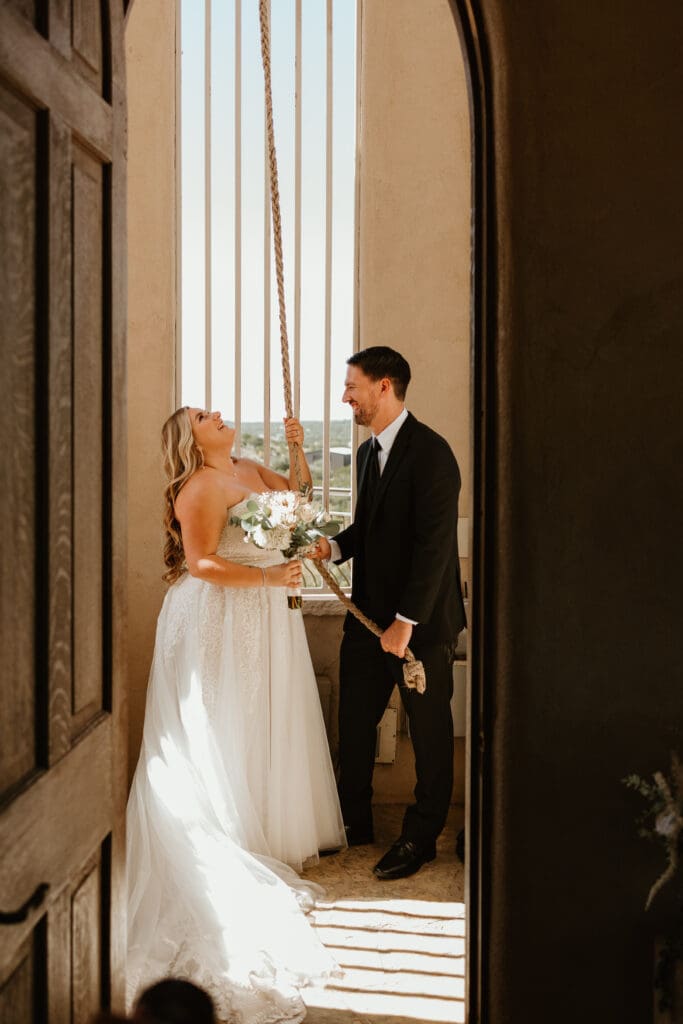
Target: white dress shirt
385,439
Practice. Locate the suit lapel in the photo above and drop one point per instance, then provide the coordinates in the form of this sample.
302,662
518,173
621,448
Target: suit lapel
396,455
364,452
366,448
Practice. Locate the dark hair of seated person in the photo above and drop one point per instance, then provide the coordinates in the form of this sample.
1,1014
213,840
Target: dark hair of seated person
174,1001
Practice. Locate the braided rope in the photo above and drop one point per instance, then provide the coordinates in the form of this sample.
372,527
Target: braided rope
413,670
277,224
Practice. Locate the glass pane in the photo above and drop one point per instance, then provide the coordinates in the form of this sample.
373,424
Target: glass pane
192,202
253,169
223,206
253,385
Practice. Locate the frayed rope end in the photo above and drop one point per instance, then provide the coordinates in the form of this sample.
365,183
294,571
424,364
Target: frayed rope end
414,675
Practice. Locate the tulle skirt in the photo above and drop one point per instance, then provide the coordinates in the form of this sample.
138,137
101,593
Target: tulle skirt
233,789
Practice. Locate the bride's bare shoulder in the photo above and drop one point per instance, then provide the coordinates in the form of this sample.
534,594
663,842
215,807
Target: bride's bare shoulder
207,485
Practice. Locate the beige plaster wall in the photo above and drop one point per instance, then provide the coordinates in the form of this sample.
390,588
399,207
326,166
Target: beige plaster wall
150,56
415,208
415,243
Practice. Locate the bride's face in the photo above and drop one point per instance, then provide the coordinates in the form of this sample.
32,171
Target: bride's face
209,430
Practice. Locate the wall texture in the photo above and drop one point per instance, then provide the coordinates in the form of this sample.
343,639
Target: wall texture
150,56
585,580
416,211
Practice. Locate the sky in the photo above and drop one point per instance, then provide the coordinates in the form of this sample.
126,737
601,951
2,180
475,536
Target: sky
223,200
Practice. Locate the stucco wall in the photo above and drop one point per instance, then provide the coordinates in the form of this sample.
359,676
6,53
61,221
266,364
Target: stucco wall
415,209
150,48
414,283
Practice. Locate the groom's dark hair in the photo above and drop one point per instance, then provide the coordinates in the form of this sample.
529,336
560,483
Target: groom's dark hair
174,1001
382,361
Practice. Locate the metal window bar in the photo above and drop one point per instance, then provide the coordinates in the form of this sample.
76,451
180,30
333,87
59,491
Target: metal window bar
238,227
328,256
266,289
297,211
326,491
208,268
356,289
178,211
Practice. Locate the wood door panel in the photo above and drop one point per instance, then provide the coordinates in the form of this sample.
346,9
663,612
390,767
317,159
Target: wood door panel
59,416
86,947
62,951
60,26
87,41
33,10
62,407
18,221
38,841
88,341
23,984
16,995
46,78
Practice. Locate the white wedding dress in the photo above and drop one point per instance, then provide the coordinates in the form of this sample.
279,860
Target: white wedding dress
234,783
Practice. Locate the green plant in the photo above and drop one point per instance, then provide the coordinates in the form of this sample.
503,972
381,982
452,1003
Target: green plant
662,822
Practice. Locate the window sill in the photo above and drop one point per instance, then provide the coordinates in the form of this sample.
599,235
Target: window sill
329,604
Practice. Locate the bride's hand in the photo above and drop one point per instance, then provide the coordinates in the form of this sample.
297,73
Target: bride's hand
287,574
294,432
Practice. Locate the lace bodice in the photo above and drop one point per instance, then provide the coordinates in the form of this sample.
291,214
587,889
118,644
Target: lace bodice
236,547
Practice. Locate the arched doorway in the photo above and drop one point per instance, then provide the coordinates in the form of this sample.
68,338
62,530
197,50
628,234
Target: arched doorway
28,36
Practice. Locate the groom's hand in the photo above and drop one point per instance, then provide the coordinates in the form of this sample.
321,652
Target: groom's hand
396,638
322,549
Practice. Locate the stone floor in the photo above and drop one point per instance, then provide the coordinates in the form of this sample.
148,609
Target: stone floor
401,945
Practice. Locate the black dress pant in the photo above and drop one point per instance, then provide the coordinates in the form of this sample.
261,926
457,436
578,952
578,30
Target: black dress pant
367,678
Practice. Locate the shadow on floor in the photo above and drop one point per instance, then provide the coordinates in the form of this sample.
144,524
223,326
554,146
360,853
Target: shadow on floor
401,945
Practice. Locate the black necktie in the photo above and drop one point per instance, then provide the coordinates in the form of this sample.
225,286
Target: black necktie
366,500
372,475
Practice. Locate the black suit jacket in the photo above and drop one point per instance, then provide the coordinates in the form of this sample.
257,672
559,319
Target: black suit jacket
404,543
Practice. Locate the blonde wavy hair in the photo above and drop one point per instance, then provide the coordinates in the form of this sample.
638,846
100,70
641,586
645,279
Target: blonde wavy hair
182,458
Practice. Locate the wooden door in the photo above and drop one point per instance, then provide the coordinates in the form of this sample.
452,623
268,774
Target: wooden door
62,487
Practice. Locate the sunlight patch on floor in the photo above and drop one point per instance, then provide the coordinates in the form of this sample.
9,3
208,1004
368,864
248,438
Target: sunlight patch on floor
403,960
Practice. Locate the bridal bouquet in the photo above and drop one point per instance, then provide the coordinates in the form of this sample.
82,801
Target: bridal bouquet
662,821
285,521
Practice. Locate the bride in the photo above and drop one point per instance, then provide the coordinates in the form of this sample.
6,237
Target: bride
234,780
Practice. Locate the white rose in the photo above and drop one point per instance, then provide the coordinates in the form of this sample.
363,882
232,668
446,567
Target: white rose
307,513
275,515
260,537
665,823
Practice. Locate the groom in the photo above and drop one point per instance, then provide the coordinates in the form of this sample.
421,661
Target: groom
406,576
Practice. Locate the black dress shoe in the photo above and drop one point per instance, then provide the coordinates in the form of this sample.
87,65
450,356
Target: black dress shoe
404,858
460,846
359,836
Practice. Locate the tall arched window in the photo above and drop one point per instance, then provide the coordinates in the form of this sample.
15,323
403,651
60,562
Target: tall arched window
229,345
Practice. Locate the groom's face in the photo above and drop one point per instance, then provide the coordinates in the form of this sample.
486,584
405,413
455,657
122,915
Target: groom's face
362,394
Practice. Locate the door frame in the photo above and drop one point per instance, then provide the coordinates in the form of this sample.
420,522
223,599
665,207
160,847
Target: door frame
479,783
